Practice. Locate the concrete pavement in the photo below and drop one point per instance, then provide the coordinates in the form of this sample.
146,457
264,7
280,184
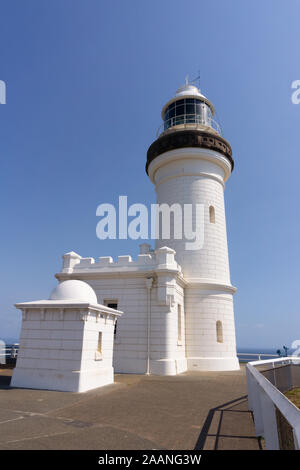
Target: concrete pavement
195,410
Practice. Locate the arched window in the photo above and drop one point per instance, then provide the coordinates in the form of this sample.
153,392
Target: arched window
219,328
212,217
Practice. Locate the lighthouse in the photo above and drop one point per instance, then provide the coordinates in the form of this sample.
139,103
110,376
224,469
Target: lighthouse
168,311
189,163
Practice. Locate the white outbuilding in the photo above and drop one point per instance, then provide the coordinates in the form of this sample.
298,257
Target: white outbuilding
66,342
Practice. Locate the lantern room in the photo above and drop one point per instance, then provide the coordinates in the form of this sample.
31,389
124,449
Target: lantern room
188,108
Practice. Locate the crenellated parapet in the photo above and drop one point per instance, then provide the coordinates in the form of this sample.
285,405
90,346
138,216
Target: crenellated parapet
162,259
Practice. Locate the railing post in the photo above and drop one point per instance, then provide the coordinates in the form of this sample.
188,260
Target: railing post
274,374
257,412
290,376
269,422
250,387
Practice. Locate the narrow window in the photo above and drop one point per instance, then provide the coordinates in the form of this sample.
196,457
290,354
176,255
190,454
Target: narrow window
212,217
219,328
179,323
112,304
99,347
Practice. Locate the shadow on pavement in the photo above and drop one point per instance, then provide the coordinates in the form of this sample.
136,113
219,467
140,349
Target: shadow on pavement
218,427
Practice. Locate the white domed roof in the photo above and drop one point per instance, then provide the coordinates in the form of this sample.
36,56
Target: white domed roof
188,90
74,290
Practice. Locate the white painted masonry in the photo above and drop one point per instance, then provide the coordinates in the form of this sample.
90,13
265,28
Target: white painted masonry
59,347
125,282
198,175
196,280
177,303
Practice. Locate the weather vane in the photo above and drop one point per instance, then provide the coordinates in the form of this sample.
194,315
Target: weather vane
195,80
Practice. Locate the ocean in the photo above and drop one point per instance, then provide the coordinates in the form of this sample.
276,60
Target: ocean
261,351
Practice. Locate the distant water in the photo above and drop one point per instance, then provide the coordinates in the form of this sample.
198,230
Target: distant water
261,351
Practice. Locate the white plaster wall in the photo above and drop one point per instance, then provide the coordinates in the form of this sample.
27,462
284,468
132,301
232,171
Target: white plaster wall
180,346
197,176
51,343
131,347
130,340
192,181
165,349
58,352
97,368
203,310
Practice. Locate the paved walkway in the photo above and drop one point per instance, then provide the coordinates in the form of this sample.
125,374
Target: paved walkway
195,410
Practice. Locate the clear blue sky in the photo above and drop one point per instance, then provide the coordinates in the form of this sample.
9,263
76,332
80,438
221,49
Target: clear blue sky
86,81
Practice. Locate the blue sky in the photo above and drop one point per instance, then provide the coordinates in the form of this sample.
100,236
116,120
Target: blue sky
86,81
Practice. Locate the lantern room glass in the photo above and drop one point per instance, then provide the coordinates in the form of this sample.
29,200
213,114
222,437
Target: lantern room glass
187,111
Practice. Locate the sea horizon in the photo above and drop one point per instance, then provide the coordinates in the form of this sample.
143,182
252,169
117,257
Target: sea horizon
240,349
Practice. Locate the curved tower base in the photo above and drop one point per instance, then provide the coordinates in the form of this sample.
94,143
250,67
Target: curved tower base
210,329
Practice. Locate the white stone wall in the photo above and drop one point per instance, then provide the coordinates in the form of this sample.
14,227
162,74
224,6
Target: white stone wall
130,340
125,282
50,343
204,309
131,345
58,350
97,368
183,176
197,176
195,181
165,348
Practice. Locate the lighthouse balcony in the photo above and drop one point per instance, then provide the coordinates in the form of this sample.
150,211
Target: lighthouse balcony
188,121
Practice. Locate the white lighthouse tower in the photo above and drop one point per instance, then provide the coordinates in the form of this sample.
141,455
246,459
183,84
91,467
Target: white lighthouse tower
177,299
189,163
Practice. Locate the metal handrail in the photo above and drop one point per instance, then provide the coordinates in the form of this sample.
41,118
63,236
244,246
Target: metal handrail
263,397
188,120
259,355
10,351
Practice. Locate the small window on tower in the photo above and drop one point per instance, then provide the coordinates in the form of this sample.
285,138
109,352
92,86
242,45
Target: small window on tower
212,216
219,328
98,352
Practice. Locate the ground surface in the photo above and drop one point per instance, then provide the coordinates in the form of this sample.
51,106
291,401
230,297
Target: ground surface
294,396
195,410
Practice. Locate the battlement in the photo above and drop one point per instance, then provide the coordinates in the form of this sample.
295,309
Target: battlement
161,259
